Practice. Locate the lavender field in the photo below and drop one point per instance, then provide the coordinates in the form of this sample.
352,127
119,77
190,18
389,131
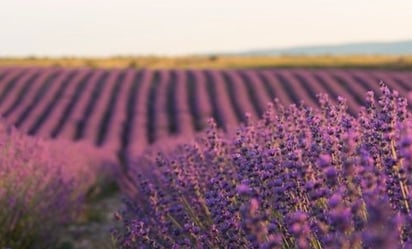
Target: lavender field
231,158
130,109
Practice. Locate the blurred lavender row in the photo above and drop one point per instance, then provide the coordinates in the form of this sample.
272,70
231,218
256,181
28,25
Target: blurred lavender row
43,185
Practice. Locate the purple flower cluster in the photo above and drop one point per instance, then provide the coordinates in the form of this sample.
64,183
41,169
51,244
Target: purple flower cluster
42,185
297,178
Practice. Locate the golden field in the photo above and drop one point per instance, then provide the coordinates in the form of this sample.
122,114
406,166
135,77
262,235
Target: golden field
350,61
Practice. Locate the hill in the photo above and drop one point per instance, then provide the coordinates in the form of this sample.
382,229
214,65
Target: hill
365,48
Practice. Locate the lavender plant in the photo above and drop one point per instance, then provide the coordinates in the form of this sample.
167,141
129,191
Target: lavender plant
297,178
42,187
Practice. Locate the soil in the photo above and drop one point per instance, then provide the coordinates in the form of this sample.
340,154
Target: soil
92,230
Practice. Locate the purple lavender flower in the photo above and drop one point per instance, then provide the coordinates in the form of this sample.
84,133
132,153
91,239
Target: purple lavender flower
298,178
42,188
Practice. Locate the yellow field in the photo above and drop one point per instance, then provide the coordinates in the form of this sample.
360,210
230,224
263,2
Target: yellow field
387,62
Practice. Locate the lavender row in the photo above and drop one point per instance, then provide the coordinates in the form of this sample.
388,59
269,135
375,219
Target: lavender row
43,185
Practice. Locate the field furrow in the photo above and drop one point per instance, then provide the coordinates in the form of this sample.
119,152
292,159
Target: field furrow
220,96
48,101
278,87
331,88
107,106
17,92
182,105
137,138
390,80
311,87
87,125
256,90
306,78
364,79
61,111
199,104
26,88
295,89
30,107
340,89
120,112
43,99
350,85
8,82
269,89
403,80
83,106
170,106
238,94
157,125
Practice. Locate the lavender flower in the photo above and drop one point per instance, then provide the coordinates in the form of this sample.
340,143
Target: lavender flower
42,188
298,178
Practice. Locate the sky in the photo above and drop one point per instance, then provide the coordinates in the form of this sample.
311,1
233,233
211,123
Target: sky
183,27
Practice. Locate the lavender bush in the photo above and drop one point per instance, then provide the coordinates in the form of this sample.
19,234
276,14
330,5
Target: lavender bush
297,178
42,185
